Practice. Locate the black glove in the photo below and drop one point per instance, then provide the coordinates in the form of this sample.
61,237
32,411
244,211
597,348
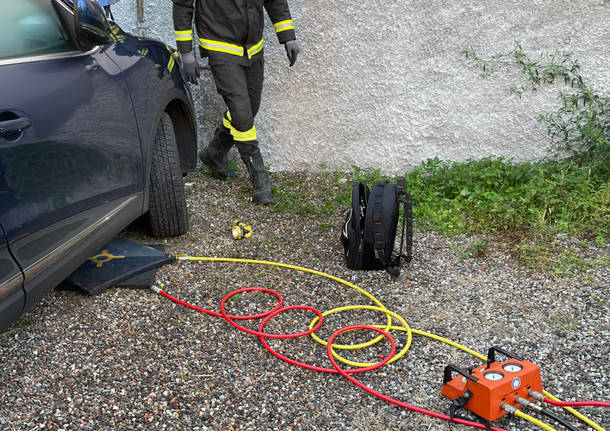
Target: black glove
190,67
292,50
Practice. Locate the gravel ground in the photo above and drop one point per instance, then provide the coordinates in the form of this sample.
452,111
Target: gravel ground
130,359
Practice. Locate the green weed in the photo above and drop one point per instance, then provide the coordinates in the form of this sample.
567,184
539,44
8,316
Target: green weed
233,165
235,297
568,323
459,251
497,195
476,249
582,122
327,226
552,259
308,199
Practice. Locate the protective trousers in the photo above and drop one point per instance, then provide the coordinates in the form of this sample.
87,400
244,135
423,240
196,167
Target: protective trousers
241,86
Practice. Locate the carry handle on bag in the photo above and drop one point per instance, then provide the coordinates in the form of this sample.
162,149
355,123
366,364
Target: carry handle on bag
370,226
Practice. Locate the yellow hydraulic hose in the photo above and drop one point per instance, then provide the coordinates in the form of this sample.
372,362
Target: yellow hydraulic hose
576,413
484,358
405,327
302,269
533,420
386,328
451,343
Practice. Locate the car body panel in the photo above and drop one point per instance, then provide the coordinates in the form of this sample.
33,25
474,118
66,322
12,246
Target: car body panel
12,297
68,243
80,172
73,158
81,149
151,70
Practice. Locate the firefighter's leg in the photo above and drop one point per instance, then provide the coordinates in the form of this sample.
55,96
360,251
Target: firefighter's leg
229,79
255,77
232,83
215,155
251,154
253,159
247,144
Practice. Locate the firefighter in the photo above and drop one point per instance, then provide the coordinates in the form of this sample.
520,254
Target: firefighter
230,34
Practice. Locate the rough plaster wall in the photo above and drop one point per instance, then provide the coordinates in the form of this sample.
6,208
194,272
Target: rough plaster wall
383,84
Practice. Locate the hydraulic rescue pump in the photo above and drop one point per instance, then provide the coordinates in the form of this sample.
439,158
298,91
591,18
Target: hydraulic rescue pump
490,390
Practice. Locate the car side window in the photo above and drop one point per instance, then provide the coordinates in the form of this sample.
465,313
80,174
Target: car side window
31,28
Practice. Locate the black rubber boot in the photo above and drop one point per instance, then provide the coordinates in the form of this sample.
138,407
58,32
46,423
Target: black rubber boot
215,154
253,159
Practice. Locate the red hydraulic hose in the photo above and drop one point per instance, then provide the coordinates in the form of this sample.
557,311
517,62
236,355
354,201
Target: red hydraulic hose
313,367
215,314
385,397
270,314
576,403
345,373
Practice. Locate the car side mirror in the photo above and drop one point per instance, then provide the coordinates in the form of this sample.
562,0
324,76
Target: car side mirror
90,22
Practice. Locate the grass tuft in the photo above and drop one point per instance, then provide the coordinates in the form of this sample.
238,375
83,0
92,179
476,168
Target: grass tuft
496,195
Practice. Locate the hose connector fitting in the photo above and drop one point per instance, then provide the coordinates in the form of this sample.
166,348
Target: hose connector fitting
510,409
535,395
156,289
182,257
527,403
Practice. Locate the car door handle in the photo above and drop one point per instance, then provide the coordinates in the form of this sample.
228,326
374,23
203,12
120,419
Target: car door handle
17,125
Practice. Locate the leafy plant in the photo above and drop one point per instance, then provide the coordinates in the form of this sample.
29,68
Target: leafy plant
582,123
497,195
479,248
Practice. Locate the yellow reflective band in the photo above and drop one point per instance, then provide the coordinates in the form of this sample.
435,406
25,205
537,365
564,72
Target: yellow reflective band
228,48
256,48
283,25
247,136
214,45
184,35
116,33
170,65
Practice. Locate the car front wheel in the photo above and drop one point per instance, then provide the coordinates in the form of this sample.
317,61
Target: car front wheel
167,213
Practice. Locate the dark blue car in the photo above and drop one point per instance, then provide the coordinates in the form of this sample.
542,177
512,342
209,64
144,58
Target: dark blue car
97,129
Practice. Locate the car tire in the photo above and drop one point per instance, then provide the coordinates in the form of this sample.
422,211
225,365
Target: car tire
167,212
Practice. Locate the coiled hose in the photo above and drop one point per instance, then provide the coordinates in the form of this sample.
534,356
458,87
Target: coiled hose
330,347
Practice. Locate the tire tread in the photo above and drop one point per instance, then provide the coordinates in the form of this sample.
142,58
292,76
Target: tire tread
167,213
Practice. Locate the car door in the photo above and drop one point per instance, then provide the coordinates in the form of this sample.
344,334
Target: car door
70,152
12,297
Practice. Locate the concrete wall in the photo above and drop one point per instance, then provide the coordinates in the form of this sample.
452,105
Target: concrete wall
383,83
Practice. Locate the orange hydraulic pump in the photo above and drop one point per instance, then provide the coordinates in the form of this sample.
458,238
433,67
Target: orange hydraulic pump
484,390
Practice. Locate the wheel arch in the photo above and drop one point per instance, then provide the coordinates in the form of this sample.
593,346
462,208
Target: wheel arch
180,109
185,128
